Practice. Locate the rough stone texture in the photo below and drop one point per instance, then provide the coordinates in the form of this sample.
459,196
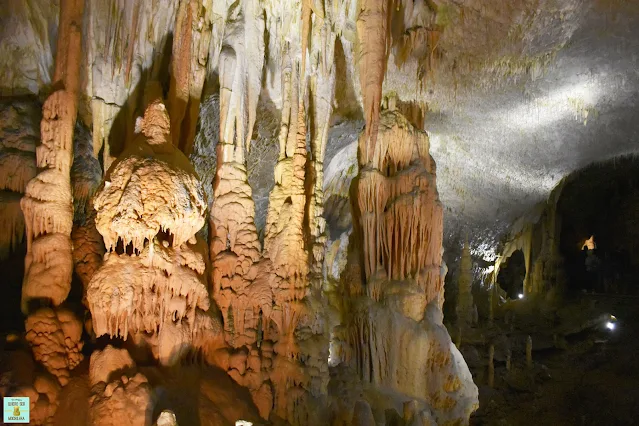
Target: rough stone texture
152,282
124,397
55,338
394,333
19,133
502,91
28,30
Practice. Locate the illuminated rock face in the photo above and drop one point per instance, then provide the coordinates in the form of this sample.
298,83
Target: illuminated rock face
120,394
54,333
55,336
152,282
395,335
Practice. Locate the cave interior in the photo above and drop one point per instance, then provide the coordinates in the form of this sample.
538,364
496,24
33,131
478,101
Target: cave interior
319,212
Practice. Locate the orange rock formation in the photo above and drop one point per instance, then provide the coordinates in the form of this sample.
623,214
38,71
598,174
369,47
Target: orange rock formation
48,211
152,281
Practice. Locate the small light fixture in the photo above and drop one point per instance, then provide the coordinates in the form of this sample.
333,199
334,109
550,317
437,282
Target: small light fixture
520,295
610,325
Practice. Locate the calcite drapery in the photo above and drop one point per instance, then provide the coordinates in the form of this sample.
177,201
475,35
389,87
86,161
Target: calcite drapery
401,212
395,333
19,132
148,211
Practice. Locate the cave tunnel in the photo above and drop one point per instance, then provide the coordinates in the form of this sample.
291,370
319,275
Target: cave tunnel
512,274
601,202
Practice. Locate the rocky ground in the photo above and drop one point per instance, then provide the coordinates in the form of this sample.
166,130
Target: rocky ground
582,374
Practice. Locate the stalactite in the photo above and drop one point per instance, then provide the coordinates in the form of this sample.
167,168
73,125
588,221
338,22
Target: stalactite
373,33
188,69
402,232
321,94
240,277
124,47
19,131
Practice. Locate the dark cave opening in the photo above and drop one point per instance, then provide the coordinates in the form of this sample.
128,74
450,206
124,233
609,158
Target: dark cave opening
512,273
600,230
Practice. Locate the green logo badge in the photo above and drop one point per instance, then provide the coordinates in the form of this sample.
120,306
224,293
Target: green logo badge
16,409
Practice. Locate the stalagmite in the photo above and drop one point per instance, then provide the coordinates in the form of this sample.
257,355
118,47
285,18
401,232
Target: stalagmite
47,205
401,231
363,414
529,361
120,394
240,277
148,210
54,333
491,366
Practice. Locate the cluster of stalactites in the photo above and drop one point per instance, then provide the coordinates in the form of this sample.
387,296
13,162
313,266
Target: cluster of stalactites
188,69
140,294
17,166
152,190
401,212
154,284
284,233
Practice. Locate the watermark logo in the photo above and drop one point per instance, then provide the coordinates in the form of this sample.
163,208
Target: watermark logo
15,409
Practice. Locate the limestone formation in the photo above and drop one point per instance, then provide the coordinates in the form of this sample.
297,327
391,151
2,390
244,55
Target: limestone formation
55,337
19,133
397,321
54,334
120,394
188,69
152,281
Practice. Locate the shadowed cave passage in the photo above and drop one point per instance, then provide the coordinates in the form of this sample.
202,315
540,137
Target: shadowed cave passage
511,275
601,201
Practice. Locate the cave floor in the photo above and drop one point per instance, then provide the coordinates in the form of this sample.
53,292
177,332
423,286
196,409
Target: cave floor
586,377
